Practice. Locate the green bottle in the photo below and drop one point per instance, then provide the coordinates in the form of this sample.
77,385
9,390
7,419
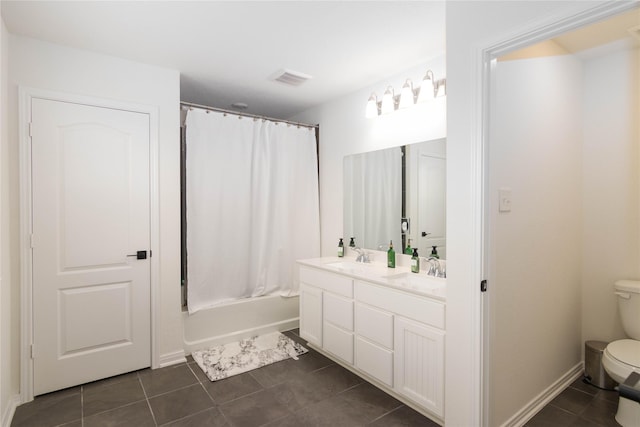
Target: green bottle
340,248
415,261
434,252
408,250
391,256
352,243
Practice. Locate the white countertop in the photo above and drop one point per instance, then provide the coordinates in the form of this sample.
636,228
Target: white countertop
400,277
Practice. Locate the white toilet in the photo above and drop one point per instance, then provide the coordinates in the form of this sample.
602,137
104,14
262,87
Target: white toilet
622,357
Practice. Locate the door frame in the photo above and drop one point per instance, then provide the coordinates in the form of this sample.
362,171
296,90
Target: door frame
485,57
25,97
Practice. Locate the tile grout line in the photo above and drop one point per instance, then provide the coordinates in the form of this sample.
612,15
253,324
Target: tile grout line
216,405
153,416
203,387
185,417
387,413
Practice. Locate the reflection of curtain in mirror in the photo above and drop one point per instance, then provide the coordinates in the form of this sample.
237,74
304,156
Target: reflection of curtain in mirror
382,193
252,207
354,218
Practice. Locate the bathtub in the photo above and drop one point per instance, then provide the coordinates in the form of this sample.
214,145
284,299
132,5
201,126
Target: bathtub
239,319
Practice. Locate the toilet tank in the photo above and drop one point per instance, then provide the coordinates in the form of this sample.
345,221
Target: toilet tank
628,292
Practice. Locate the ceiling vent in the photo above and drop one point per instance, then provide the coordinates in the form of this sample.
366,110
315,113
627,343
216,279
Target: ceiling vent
635,32
292,78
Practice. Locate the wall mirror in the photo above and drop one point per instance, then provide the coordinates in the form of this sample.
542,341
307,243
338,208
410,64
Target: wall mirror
397,194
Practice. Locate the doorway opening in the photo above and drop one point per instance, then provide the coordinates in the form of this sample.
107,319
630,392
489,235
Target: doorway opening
562,203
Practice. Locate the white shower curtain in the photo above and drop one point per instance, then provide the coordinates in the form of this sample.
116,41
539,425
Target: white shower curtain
252,207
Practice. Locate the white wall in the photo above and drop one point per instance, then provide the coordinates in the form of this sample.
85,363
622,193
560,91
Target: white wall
345,130
535,149
472,26
611,188
9,383
47,66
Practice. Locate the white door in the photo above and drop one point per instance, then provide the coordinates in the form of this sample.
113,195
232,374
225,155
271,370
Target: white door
90,195
432,204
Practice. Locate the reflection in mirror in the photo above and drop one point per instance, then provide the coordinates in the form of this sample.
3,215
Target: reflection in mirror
373,197
385,189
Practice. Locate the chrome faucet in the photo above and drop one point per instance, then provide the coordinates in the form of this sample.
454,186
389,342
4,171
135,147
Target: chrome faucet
436,268
363,256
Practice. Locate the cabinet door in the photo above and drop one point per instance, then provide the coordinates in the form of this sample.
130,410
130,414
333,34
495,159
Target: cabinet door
375,325
419,364
311,314
337,310
338,342
374,360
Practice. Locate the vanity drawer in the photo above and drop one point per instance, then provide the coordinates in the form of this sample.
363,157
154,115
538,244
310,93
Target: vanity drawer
375,325
331,282
414,307
338,310
375,361
338,342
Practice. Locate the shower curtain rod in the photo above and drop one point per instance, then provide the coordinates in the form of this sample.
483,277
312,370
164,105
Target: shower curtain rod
253,116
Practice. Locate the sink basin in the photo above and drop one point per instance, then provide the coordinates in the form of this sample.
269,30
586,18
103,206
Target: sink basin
417,280
349,267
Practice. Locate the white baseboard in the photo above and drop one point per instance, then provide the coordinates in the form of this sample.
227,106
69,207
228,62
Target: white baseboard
541,400
10,410
174,358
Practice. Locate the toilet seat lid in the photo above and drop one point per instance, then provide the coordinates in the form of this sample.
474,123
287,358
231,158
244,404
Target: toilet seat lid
626,351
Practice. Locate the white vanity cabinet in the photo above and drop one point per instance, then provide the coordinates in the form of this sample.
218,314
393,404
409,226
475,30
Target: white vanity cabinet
326,311
311,314
418,342
374,342
419,363
393,336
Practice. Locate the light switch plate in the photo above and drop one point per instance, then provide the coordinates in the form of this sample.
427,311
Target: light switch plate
504,204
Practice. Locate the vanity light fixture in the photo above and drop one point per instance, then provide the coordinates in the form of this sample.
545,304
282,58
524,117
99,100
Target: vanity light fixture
407,97
440,88
389,103
429,89
373,106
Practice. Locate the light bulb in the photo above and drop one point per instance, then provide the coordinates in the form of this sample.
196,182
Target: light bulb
372,106
406,95
426,88
387,101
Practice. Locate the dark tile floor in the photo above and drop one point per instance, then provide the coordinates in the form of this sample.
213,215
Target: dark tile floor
580,405
312,391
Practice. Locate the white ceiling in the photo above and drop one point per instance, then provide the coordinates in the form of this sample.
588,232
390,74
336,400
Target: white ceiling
228,51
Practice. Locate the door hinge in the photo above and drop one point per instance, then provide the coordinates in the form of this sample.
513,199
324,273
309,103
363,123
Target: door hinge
32,241
33,352
483,286
30,129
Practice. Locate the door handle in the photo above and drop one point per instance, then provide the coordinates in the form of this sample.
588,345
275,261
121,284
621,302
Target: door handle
139,255
424,234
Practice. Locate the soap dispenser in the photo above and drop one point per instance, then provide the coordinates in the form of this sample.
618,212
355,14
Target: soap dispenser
391,256
340,248
408,250
415,261
434,252
352,243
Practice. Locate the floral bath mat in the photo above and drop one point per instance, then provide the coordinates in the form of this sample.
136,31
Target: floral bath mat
226,360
